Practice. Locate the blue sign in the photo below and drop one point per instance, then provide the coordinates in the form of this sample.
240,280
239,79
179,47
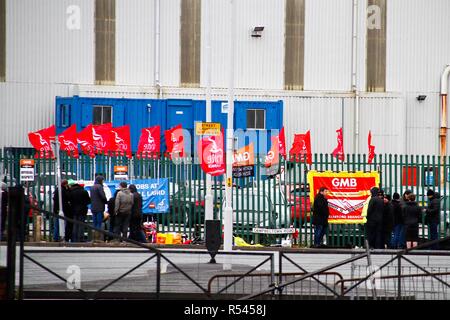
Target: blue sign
154,192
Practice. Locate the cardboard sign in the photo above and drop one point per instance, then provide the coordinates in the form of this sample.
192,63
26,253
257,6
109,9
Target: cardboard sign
120,172
26,170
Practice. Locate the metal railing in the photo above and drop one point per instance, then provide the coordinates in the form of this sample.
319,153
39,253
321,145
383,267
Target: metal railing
263,200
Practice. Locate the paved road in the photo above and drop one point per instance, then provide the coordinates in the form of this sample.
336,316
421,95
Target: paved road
100,265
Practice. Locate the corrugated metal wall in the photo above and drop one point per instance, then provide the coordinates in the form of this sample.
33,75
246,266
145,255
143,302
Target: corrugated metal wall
27,107
258,61
418,44
170,42
328,50
41,48
135,36
45,58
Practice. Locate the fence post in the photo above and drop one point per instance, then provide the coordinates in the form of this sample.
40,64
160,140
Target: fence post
15,207
158,275
399,279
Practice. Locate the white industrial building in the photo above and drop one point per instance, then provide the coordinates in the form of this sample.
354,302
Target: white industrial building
360,64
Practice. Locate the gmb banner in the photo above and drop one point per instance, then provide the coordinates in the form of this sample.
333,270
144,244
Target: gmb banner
154,192
348,192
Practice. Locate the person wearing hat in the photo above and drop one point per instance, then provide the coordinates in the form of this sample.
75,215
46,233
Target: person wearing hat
79,199
398,231
99,200
432,216
374,225
67,211
122,209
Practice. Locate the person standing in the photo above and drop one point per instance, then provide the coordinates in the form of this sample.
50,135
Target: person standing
67,211
374,223
122,209
411,216
320,216
3,209
432,216
398,234
98,199
136,232
79,198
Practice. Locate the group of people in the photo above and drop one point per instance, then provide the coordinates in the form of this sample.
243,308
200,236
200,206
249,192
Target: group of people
392,223
124,211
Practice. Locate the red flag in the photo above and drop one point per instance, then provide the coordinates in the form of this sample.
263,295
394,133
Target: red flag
68,141
282,143
338,152
41,141
371,148
212,155
103,138
273,156
301,147
86,142
150,142
122,140
175,141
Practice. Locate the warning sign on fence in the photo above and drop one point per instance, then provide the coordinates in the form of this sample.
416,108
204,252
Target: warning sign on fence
26,170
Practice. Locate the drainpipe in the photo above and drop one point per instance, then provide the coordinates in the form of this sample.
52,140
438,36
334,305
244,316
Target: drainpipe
443,129
355,74
157,42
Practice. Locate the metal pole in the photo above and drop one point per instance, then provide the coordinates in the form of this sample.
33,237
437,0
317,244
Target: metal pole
228,212
14,207
58,184
399,280
208,196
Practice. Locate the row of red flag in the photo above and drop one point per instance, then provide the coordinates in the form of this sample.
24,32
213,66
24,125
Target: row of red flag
100,139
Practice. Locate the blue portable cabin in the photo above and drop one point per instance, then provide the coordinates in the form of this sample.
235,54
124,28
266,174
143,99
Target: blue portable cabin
254,118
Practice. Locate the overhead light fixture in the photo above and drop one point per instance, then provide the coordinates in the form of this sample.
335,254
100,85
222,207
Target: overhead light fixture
421,97
256,32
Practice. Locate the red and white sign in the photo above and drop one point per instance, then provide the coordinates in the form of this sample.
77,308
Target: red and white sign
41,141
175,142
348,192
212,155
150,142
86,142
122,140
68,141
103,138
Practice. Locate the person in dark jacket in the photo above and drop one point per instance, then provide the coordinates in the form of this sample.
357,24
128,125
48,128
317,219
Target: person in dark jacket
136,232
411,214
98,199
79,198
388,221
112,217
3,209
67,211
320,216
374,223
122,210
432,216
398,234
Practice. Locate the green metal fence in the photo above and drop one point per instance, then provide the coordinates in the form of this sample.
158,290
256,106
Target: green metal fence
264,201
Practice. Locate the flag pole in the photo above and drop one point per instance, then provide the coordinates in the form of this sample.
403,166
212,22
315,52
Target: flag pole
228,212
58,183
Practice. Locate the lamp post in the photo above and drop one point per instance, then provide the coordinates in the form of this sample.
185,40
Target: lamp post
208,197
228,212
